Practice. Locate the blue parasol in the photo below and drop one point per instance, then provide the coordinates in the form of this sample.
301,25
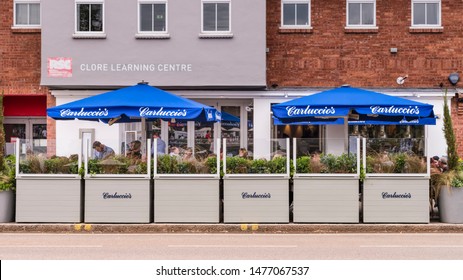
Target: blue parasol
345,101
134,103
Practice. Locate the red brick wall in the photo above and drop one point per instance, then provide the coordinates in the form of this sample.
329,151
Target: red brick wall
20,58
330,56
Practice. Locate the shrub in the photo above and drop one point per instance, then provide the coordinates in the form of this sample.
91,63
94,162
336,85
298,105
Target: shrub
167,164
239,165
8,174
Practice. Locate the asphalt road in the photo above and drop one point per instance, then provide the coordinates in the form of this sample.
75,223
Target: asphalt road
389,246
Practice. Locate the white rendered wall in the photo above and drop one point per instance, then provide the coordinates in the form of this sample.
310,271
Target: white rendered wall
67,132
335,136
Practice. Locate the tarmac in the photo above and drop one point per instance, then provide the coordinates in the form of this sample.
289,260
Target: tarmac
291,228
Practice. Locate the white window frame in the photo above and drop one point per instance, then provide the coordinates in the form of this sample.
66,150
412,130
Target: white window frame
295,26
361,25
96,33
139,16
439,22
26,25
229,16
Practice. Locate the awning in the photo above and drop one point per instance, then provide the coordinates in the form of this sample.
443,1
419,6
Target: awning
25,105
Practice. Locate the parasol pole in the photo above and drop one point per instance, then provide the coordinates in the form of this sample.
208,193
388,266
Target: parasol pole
346,133
143,133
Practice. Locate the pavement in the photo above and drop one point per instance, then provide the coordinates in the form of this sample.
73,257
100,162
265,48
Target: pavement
291,228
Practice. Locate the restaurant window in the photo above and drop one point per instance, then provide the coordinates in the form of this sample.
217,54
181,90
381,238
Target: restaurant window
309,138
178,134
426,12
152,16
89,16
231,128
399,138
33,129
295,13
361,13
216,16
27,13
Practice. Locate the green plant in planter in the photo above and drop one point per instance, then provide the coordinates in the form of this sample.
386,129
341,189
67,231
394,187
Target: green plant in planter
395,163
303,165
451,196
55,165
167,164
238,165
277,165
117,165
259,166
345,163
8,174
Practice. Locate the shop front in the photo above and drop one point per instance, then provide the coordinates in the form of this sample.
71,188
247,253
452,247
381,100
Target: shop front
25,118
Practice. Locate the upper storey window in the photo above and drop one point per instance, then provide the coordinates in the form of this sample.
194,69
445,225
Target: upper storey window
89,16
152,16
426,13
216,16
295,13
27,13
361,13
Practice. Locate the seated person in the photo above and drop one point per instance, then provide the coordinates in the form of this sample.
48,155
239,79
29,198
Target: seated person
243,153
102,151
174,151
188,154
134,150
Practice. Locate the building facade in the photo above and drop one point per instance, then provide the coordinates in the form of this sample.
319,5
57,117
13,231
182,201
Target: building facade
25,100
403,48
210,51
239,56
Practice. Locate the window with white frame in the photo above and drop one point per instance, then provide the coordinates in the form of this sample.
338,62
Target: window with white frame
216,16
89,16
295,13
152,16
361,13
426,12
27,13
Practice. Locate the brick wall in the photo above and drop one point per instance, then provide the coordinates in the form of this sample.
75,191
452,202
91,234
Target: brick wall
330,56
20,58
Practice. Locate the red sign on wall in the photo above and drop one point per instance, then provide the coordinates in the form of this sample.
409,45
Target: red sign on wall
59,67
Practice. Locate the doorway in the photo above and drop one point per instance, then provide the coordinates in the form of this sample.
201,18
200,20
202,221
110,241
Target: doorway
33,129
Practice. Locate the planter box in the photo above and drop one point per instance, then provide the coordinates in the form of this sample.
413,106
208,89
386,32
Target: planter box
186,200
117,200
256,200
48,200
7,206
396,200
326,200
451,205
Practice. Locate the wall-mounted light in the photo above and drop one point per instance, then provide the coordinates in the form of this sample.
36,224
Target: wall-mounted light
454,78
401,80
